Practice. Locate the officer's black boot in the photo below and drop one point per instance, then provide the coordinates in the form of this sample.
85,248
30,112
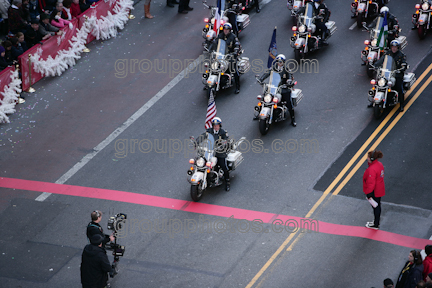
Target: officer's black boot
227,184
293,122
401,108
237,83
169,3
257,6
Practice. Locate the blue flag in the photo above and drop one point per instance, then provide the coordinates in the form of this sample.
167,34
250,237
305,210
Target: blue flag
272,50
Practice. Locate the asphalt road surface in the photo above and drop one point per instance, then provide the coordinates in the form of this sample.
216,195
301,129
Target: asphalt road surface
71,132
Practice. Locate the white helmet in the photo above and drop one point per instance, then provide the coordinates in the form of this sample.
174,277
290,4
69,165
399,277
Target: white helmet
384,9
216,121
281,57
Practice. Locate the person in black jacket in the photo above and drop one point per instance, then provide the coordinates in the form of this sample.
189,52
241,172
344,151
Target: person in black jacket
95,265
412,273
93,228
220,135
286,79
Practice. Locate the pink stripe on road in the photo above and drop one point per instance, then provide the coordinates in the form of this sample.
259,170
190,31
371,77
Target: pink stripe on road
209,209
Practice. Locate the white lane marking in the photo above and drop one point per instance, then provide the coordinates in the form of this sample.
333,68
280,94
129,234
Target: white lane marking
125,125
122,127
353,26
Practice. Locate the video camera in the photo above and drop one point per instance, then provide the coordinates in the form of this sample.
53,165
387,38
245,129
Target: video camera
116,223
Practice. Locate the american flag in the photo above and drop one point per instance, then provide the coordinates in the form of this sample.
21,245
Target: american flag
211,111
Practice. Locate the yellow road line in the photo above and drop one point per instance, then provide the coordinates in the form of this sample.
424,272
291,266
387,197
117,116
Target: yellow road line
345,169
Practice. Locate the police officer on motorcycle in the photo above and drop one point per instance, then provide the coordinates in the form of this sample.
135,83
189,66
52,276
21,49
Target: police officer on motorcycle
320,9
392,22
400,59
286,79
234,48
220,135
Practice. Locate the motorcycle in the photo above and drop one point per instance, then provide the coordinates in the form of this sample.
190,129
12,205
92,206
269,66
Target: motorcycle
217,75
204,171
303,41
208,31
372,52
382,95
294,6
364,9
422,17
271,108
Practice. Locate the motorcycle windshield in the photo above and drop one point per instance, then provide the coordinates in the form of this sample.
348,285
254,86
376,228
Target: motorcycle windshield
309,14
206,147
274,81
221,49
376,31
389,65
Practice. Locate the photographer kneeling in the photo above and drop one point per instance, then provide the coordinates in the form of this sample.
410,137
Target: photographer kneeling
93,228
95,265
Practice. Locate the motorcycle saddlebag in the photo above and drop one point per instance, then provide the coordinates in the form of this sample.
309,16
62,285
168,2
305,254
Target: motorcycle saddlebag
243,19
234,159
403,42
408,80
296,96
331,26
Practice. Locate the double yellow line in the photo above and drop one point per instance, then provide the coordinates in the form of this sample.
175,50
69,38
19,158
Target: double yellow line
348,166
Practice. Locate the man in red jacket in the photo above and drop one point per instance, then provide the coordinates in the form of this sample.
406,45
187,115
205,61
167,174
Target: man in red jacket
373,185
427,262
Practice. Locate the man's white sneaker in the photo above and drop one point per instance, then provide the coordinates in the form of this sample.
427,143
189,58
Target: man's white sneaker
371,226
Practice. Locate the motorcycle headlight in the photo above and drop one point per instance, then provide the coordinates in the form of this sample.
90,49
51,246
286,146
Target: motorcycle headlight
302,29
200,162
374,43
215,65
267,98
425,6
212,21
381,82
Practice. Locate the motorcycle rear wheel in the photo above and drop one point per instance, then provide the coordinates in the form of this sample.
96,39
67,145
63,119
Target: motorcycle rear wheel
378,111
263,126
196,193
422,31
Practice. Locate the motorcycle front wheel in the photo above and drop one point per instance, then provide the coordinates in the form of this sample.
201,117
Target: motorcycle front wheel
422,31
378,111
369,70
264,126
298,55
196,192
360,20
211,91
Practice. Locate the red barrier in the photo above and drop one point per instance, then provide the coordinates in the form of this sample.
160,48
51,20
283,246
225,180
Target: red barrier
52,45
5,78
100,9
